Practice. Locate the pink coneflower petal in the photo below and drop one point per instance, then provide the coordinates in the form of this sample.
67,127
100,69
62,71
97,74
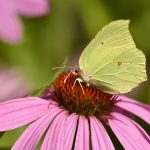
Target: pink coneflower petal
32,8
16,113
130,134
82,137
10,25
100,138
70,129
135,107
34,132
54,139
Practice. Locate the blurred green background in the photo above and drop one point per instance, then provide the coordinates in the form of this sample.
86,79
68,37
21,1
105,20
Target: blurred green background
65,31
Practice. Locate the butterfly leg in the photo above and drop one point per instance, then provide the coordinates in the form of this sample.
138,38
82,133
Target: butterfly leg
87,84
79,80
68,75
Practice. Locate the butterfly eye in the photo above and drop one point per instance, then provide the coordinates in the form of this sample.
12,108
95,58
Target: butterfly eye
76,71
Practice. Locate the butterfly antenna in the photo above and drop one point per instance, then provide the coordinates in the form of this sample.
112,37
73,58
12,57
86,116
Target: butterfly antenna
61,68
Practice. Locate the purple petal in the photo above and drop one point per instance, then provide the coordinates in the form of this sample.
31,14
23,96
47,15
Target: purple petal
10,26
18,112
34,132
135,107
32,7
70,131
100,138
129,133
82,138
54,139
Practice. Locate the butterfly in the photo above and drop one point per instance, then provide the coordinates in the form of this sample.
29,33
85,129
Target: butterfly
111,61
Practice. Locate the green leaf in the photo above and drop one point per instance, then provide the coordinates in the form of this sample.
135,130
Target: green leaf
40,91
1,134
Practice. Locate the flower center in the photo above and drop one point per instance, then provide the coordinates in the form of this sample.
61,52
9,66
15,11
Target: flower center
78,97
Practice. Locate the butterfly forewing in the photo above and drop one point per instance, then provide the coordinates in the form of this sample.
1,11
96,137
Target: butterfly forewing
112,59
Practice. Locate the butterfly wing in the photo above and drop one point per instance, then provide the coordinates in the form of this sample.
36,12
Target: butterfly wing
112,59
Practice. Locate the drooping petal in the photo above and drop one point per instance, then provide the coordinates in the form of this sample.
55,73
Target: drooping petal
18,112
34,132
100,138
139,109
32,7
10,25
129,133
54,139
82,137
70,129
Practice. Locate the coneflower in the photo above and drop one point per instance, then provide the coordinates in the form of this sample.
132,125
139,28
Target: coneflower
74,116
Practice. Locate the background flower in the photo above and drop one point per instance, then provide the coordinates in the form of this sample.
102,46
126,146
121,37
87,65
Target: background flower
10,25
12,84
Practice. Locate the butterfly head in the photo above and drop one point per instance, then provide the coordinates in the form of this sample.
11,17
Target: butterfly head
76,71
